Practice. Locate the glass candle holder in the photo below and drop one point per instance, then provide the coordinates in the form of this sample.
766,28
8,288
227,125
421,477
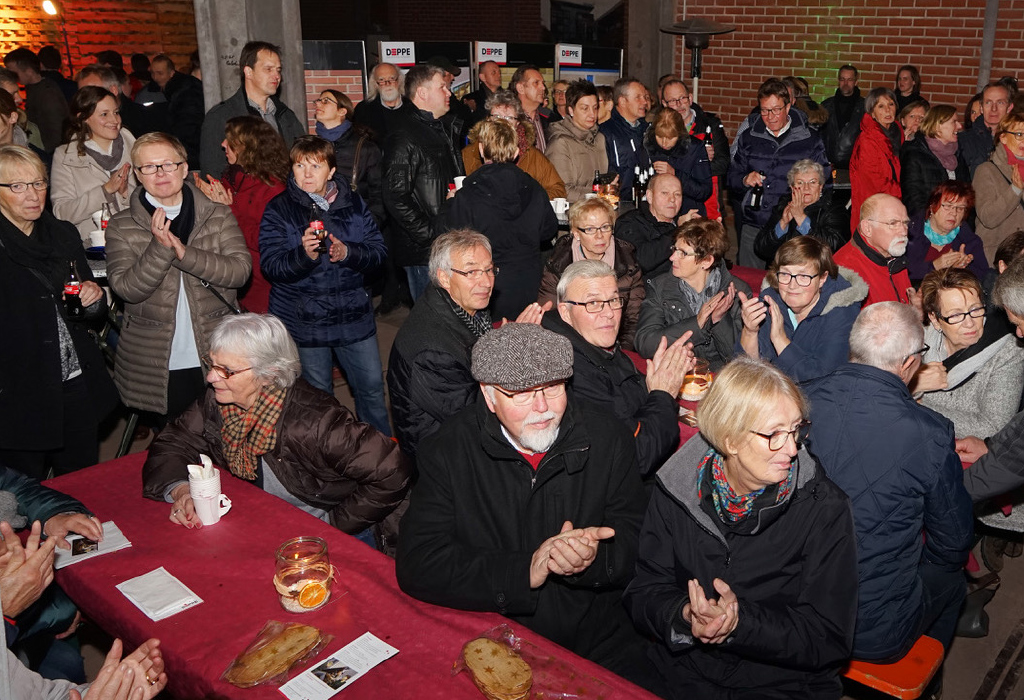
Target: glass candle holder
303,574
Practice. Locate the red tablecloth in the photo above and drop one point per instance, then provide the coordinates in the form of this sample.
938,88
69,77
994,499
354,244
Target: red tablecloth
231,566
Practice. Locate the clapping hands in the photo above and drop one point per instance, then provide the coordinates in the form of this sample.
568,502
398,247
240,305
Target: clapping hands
568,553
711,621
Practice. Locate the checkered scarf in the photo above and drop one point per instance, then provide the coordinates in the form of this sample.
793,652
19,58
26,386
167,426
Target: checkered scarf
248,434
731,506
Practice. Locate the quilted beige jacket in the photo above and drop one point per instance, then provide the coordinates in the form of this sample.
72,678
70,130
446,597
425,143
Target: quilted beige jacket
145,274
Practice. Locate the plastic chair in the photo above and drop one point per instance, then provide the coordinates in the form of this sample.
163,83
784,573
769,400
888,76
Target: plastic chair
907,678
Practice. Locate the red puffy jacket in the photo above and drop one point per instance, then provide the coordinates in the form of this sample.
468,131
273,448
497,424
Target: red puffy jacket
874,166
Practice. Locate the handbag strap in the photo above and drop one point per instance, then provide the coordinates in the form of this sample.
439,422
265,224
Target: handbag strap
220,297
355,164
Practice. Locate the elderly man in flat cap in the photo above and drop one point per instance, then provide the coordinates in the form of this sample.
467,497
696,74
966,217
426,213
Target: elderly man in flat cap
530,506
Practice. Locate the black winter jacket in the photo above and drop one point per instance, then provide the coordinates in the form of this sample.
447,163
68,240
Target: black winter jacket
511,208
380,120
794,575
707,126
185,111
324,457
976,145
429,378
480,511
689,159
625,146
610,382
651,238
830,224
665,313
896,462
839,138
921,172
356,151
419,164
1001,469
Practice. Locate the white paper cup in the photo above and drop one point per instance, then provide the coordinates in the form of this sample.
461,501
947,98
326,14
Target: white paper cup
97,219
97,238
560,204
203,488
210,508
458,182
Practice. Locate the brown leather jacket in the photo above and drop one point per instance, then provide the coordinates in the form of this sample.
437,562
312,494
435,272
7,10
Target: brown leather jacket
145,274
323,457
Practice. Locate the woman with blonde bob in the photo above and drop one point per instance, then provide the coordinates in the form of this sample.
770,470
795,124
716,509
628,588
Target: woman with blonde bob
508,206
747,570
932,158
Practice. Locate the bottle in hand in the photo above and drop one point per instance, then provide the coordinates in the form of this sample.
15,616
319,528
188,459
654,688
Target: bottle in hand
757,194
73,292
316,223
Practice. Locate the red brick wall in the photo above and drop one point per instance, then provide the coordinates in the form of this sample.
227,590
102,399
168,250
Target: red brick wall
349,82
127,26
494,20
812,38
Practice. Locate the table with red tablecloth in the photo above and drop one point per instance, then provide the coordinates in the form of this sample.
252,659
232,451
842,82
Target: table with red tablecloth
231,567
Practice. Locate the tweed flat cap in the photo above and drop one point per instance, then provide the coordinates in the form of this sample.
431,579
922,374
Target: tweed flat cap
519,356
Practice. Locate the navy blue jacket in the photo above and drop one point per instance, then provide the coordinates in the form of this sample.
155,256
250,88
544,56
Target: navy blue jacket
689,158
976,145
625,146
320,302
821,342
895,460
758,150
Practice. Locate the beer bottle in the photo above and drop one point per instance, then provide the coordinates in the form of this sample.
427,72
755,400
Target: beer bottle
596,185
757,194
316,222
73,292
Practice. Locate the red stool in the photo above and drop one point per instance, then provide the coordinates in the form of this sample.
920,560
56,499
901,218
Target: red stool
907,678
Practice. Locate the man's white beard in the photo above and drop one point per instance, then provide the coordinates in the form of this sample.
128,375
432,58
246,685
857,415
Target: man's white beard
389,94
897,247
540,440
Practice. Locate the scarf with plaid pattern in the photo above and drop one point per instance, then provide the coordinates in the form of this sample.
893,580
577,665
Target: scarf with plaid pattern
248,434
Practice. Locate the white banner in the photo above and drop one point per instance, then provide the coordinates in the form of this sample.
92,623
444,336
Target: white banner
570,55
491,51
401,53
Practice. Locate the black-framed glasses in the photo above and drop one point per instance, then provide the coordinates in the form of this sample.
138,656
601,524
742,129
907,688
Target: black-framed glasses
478,274
20,187
597,305
776,111
386,81
222,371
976,312
673,249
591,230
525,398
324,101
920,352
1018,134
151,168
677,101
801,279
777,440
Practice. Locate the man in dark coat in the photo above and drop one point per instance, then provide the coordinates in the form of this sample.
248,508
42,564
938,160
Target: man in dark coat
602,374
624,136
260,64
490,82
704,126
978,142
185,106
651,227
845,109
529,506
384,108
896,461
420,162
45,104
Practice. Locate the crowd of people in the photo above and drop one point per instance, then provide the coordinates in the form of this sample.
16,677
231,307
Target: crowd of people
536,468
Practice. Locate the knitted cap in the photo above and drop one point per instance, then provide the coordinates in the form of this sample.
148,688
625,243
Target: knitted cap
519,356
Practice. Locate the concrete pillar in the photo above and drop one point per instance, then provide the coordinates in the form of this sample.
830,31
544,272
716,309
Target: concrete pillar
224,26
649,52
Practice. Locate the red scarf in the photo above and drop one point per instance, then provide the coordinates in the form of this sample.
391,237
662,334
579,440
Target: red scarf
1014,161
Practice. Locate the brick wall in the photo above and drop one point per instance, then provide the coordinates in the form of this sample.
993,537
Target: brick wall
495,20
349,82
812,38
128,26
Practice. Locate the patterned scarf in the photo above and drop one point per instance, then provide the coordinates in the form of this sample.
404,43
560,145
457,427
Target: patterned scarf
249,434
478,323
731,506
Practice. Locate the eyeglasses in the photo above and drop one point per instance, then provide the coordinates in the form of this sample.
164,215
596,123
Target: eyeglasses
894,224
995,103
777,440
324,101
20,187
387,81
1018,134
478,274
922,351
673,249
223,372
800,184
676,102
591,230
509,117
958,208
976,312
525,398
150,168
774,111
801,280
558,92
596,305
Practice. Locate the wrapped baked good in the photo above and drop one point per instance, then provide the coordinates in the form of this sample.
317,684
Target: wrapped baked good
275,650
497,670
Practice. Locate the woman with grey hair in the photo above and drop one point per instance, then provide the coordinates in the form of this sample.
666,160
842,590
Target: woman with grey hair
503,105
808,210
875,163
264,423
747,570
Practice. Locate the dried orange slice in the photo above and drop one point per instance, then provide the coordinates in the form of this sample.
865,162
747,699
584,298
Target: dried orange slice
313,595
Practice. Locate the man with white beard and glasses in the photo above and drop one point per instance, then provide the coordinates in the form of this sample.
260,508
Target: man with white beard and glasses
383,106
530,506
877,251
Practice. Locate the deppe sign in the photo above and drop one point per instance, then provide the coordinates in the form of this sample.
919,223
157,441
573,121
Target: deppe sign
570,55
401,53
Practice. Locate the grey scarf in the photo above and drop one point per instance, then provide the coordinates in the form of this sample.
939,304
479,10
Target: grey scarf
111,162
694,299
